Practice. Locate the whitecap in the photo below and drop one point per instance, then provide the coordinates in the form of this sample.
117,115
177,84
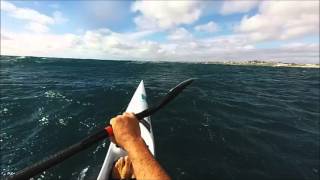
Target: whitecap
53,94
85,124
87,104
62,122
8,173
44,121
97,149
83,173
4,111
205,124
21,57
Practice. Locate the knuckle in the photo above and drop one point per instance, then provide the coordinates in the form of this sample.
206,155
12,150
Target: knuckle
112,121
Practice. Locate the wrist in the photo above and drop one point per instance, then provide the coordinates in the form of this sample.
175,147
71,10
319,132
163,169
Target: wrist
133,144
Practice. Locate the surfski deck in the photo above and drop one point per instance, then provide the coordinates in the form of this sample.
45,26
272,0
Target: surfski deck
137,104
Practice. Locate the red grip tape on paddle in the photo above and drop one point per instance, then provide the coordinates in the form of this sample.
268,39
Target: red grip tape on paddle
109,130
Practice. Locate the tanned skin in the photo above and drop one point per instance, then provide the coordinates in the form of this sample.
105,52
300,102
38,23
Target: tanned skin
127,135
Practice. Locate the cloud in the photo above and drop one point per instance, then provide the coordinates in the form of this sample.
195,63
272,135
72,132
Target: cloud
3,37
36,44
282,20
180,34
236,6
36,21
228,43
117,45
59,18
273,21
166,14
100,43
25,13
106,44
6,6
302,47
209,27
37,27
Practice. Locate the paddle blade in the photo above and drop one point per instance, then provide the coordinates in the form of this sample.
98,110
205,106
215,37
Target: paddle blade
169,97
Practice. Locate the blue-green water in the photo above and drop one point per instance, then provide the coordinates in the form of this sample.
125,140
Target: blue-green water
234,122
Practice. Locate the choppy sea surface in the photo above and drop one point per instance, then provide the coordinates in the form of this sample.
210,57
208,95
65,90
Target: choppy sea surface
233,122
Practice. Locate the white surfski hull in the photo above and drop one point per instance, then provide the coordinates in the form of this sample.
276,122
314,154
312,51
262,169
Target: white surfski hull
137,104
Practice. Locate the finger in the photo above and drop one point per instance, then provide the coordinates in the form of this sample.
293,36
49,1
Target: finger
120,163
130,168
126,114
127,168
130,115
119,166
112,120
123,168
132,172
128,160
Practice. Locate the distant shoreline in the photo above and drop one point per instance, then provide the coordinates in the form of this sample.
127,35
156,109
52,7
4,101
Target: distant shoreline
234,63
265,63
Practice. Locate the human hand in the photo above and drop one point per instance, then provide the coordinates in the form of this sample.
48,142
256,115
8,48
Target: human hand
126,129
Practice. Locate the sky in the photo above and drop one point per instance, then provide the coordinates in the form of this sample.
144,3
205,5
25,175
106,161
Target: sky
233,30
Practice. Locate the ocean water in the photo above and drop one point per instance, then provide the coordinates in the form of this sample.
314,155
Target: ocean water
233,122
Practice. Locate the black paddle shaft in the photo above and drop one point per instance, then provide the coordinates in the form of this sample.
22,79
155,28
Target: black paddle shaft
62,155
165,100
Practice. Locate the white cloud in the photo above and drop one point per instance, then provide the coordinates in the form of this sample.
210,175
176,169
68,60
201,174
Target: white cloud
37,27
209,27
106,44
282,20
229,42
6,6
237,6
25,13
36,44
100,43
166,14
59,18
273,21
35,20
298,46
180,34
